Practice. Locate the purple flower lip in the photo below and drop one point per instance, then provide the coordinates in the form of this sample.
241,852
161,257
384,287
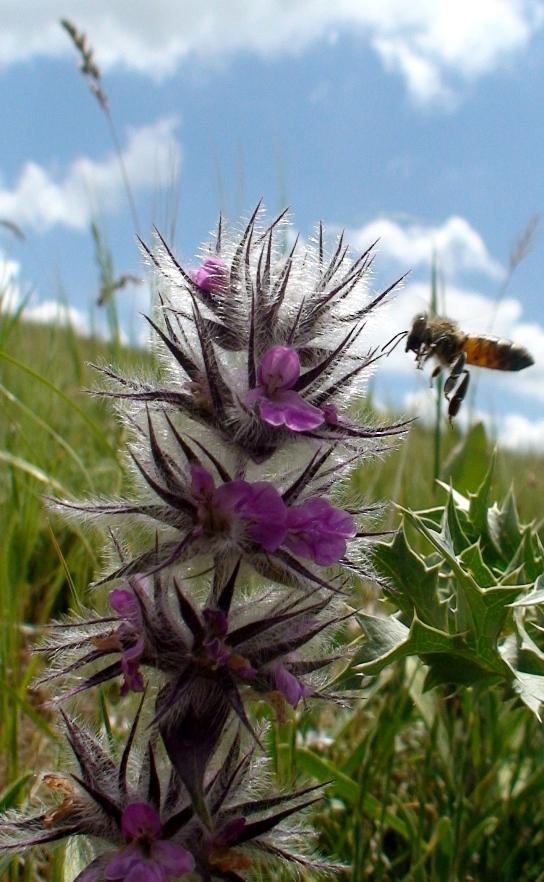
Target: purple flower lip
218,849
147,857
278,403
124,602
292,689
212,276
318,531
216,651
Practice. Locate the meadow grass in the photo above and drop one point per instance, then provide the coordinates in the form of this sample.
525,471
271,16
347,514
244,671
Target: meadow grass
55,441
439,785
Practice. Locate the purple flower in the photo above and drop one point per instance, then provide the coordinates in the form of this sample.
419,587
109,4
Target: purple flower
125,603
279,404
217,850
330,414
221,655
318,531
216,626
240,509
212,276
147,858
289,686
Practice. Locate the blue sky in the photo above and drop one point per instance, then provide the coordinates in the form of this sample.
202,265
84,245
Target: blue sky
418,123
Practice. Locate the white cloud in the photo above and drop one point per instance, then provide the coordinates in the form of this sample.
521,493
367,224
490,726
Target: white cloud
40,201
13,300
520,433
431,43
82,322
10,295
458,246
52,312
513,430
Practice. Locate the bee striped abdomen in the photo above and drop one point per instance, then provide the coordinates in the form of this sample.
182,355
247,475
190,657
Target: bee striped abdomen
496,353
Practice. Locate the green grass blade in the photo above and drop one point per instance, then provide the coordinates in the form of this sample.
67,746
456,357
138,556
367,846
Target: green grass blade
71,404
348,789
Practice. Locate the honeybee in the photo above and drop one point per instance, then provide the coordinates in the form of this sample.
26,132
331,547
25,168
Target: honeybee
441,338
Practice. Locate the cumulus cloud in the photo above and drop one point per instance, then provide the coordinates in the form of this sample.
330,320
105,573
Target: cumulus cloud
13,300
515,431
431,43
520,433
9,280
459,247
52,312
40,199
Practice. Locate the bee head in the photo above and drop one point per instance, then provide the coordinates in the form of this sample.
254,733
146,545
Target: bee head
416,334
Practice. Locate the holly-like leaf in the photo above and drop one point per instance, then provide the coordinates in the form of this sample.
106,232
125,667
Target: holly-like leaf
386,639
480,501
472,559
533,555
504,527
415,583
534,597
452,526
530,688
450,658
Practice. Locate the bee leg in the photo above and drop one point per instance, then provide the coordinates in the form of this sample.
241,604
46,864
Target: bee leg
420,359
427,352
457,400
457,369
436,373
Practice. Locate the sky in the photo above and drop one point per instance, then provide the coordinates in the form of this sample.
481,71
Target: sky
419,124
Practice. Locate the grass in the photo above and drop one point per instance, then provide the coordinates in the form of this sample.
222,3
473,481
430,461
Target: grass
443,785
55,440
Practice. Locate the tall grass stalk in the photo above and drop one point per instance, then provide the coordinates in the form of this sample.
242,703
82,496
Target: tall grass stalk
436,307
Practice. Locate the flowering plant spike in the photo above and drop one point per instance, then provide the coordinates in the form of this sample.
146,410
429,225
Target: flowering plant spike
235,590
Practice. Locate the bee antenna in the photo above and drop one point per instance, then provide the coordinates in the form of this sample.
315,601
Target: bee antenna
395,341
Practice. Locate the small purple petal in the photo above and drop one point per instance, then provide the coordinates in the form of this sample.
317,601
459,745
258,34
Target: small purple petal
202,484
259,506
123,862
331,415
279,369
212,275
147,858
289,408
133,679
318,531
133,867
279,405
216,621
123,601
291,688
217,651
241,667
172,858
140,819
230,833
